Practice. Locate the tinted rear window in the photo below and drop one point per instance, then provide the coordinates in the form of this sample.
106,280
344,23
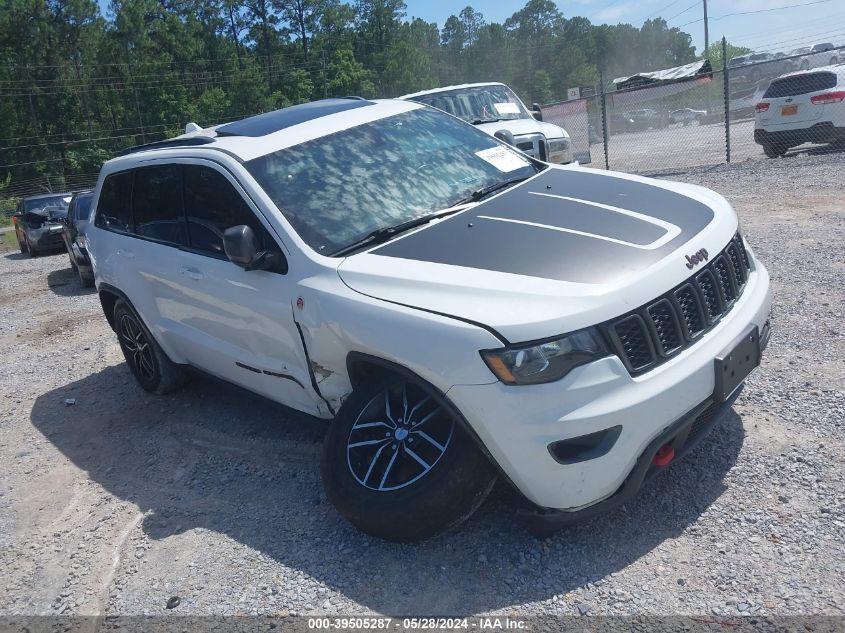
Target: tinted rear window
800,85
113,210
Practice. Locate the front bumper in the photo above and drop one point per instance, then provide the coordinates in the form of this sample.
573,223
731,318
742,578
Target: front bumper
46,237
683,436
517,424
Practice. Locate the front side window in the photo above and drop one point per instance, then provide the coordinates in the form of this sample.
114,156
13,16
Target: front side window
157,204
114,210
479,104
212,205
336,189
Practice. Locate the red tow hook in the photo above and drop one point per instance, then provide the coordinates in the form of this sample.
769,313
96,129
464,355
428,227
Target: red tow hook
663,456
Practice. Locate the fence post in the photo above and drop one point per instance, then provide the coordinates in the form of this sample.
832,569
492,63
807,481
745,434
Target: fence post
726,89
604,133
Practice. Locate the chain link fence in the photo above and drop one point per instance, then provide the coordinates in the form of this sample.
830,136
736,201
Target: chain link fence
756,106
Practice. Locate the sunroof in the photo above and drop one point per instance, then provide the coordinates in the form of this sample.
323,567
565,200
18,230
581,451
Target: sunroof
270,122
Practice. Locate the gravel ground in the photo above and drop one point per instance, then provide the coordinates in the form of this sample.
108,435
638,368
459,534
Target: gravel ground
116,503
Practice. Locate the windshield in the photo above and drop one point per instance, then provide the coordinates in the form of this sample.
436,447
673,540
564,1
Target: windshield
478,104
56,205
336,189
737,61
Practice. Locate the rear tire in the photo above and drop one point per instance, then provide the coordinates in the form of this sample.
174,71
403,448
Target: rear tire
398,465
153,370
774,151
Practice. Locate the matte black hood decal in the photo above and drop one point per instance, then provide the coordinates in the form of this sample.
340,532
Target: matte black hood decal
567,225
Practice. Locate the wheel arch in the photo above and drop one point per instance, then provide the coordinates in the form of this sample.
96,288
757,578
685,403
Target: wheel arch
109,296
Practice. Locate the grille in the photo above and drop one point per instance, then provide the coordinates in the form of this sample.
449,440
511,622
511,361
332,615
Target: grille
690,308
532,144
666,326
724,276
634,341
651,334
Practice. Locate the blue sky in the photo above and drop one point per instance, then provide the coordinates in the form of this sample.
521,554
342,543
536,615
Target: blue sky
785,29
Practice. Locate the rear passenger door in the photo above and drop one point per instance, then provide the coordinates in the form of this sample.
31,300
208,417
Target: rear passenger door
150,257
232,323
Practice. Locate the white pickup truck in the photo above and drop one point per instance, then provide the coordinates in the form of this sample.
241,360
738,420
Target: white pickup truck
494,108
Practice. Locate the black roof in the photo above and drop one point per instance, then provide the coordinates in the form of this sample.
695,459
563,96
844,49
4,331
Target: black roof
276,120
172,142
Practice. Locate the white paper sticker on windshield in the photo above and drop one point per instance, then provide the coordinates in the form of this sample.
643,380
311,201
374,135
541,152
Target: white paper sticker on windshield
506,108
503,158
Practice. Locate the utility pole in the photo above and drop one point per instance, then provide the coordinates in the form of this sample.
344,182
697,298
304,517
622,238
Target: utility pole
706,29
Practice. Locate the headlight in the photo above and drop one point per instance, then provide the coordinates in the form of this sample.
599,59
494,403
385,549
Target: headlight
545,361
559,150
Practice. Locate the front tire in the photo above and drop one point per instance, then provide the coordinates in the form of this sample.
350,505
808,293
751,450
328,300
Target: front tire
398,465
33,252
153,370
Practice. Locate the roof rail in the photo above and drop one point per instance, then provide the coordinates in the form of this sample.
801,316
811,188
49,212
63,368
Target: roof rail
354,97
173,142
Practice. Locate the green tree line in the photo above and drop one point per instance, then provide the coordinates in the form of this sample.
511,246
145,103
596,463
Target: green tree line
77,85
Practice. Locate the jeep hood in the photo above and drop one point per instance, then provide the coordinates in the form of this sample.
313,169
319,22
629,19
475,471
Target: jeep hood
569,248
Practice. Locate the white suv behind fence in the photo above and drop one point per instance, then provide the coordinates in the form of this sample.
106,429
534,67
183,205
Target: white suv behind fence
802,107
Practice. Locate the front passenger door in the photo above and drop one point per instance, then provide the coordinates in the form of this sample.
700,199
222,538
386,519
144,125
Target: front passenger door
234,323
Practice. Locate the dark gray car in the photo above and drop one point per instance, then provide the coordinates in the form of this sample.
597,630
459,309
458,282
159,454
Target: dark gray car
39,221
73,235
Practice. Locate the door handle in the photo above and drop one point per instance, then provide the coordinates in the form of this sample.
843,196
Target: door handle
193,273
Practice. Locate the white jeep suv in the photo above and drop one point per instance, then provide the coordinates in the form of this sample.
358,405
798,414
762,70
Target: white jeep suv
459,310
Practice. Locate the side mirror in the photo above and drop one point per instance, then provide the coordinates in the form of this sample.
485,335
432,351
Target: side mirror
536,112
242,248
506,136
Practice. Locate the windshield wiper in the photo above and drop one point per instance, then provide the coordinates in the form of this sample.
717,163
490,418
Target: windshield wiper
479,194
480,121
386,233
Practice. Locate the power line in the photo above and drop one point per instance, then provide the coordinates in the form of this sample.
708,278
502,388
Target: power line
768,32
668,6
731,15
692,6
800,38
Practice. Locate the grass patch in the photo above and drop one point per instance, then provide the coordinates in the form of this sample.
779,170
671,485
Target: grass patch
8,242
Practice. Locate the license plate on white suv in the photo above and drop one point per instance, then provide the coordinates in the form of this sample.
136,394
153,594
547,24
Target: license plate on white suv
789,110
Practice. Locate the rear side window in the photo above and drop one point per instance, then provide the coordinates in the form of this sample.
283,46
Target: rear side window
82,208
800,85
157,204
213,205
113,207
